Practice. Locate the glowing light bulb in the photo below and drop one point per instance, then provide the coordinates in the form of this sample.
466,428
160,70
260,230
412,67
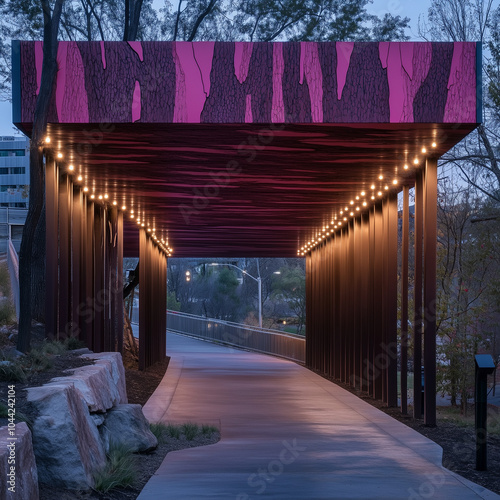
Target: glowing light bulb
92,196
364,203
363,193
434,145
85,189
59,155
106,196
424,150
395,181
386,187
406,166
47,140
415,161
80,178
100,196
380,193
71,167
125,208
380,177
352,202
114,203
372,186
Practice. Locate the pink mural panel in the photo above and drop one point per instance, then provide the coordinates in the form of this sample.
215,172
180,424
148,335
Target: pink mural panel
226,82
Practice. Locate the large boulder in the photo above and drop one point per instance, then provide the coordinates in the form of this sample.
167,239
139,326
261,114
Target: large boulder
126,425
114,364
67,445
20,483
96,384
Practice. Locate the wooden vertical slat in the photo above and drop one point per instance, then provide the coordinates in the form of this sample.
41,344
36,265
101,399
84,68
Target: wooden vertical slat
429,317
52,248
405,240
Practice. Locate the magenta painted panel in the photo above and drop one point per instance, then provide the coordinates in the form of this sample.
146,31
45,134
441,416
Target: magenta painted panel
236,82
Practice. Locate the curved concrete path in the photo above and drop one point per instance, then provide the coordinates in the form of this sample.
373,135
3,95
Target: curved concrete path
286,434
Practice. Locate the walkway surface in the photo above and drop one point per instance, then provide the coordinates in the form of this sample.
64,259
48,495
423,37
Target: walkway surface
286,434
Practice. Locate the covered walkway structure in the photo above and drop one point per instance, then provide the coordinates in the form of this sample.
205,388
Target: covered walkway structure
287,434
251,149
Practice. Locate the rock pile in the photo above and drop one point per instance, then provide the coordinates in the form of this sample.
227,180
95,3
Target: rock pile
79,417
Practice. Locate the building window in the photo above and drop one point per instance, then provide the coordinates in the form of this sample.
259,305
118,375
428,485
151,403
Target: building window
16,232
12,152
17,170
4,171
7,187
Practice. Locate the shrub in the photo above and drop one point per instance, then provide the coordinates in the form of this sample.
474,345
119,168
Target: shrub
7,311
4,280
208,430
20,417
12,372
190,430
174,431
160,430
119,472
72,343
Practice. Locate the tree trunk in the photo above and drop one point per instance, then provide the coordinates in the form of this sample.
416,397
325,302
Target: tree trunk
37,187
38,269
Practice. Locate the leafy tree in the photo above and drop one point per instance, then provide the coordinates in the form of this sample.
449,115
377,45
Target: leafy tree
222,300
172,303
290,286
477,156
467,261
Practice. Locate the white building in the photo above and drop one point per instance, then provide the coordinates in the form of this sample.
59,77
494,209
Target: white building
14,189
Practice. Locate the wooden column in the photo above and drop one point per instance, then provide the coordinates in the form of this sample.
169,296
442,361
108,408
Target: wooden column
429,317
118,292
417,298
144,320
391,347
77,270
99,298
405,237
89,247
52,248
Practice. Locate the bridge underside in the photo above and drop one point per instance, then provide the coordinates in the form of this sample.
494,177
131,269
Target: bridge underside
235,149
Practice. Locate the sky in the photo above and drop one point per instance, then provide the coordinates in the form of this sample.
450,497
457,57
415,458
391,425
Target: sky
403,8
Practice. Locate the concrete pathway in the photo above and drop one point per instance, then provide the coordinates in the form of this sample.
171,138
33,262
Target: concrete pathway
286,434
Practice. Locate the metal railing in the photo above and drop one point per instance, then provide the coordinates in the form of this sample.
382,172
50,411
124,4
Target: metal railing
284,345
13,264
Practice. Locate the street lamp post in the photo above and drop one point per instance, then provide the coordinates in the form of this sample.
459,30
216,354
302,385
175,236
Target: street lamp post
258,280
